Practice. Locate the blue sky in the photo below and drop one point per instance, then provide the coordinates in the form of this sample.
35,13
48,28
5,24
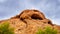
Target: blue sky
51,8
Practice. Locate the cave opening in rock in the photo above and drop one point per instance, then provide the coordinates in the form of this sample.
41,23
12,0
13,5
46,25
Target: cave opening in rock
35,16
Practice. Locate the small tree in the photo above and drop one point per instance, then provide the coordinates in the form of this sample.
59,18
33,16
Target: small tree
5,29
48,30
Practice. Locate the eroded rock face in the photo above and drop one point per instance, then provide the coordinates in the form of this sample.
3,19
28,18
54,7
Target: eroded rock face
29,21
34,14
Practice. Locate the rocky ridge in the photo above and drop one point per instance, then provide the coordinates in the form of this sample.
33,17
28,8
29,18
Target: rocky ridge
29,21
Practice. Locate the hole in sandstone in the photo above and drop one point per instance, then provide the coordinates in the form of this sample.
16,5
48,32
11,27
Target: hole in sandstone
49,22
19,29
21,19
35,16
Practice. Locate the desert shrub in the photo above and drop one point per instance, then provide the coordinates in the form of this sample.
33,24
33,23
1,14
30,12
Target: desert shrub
48,30
5,29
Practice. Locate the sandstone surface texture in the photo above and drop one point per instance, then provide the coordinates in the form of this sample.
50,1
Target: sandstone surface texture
28,22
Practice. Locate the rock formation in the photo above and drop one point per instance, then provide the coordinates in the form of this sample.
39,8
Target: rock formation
29,21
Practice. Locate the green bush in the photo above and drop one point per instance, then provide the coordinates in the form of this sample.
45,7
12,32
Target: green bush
48,30
5,29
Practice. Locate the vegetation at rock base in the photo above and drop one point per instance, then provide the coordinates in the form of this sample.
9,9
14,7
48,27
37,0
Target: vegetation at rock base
5,29
47,30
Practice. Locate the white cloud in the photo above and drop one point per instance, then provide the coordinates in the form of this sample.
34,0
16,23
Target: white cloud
56,21
26,5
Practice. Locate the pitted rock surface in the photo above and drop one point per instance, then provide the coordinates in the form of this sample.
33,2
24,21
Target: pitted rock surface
29,21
